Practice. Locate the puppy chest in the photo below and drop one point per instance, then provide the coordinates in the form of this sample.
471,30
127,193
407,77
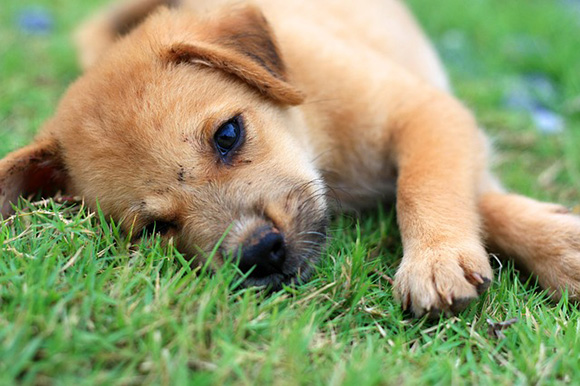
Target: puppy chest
361,182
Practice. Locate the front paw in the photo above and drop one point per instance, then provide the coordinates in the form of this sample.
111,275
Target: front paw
442,279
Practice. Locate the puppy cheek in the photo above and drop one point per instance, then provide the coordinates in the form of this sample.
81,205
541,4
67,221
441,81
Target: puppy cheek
285,209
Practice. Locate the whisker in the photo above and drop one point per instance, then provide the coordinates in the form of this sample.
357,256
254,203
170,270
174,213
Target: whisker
312,233
322,153
307,242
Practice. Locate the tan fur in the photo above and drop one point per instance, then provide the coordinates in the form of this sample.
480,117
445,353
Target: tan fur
373,110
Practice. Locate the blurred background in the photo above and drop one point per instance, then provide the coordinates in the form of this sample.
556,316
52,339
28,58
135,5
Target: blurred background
516,63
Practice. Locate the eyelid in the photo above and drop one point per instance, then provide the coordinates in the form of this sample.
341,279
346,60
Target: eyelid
211,124
234,118
158,226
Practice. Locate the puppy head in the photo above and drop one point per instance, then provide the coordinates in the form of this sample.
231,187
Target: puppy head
185,128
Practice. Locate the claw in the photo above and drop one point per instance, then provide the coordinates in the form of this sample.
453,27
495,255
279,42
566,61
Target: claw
483,286
449,299
480,282
477,277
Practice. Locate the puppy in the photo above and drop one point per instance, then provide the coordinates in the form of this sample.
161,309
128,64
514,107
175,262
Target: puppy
200,119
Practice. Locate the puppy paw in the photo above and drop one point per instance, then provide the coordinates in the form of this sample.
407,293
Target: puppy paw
443,279
563,275
543,239
557,261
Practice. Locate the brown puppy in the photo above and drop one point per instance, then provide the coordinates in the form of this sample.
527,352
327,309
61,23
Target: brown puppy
213,118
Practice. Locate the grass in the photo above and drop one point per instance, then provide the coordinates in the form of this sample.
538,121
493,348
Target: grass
79,305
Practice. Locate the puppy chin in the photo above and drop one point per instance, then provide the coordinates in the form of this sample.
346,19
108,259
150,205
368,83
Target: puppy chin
275,282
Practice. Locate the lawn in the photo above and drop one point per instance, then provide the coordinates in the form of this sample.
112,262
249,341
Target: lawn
80,305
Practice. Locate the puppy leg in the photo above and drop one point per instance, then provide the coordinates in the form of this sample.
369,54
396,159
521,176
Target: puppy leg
542,238
441,158
96,35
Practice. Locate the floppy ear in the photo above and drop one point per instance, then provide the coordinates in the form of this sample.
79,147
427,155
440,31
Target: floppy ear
36,168
241,43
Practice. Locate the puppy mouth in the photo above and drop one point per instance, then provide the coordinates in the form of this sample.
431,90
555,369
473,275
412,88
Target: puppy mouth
275,282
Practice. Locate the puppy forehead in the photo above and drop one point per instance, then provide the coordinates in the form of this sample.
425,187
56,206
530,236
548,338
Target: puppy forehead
140,109
168,97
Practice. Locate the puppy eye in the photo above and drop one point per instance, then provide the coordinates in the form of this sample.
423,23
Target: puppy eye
228,136
158,227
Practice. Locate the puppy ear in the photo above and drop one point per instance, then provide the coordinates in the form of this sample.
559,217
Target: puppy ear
242,43
96,35
36,168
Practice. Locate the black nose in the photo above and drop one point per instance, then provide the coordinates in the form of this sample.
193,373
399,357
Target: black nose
264,251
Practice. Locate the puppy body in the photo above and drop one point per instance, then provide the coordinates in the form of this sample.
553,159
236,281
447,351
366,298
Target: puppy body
355,101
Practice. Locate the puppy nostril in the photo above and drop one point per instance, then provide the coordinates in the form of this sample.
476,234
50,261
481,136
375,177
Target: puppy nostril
278,253
264,252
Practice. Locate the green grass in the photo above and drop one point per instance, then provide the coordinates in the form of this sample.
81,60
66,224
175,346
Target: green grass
79,305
